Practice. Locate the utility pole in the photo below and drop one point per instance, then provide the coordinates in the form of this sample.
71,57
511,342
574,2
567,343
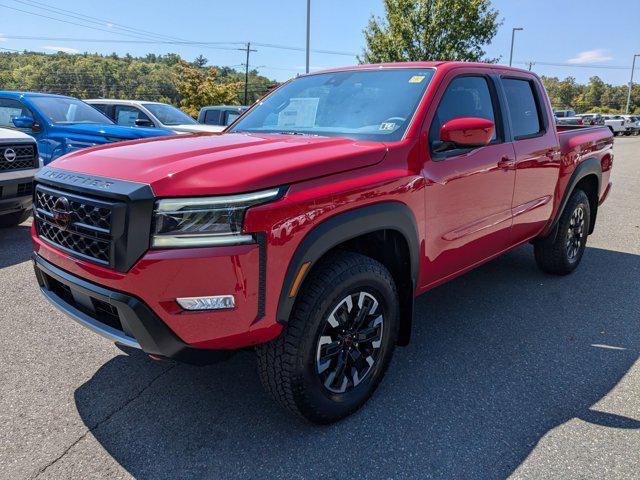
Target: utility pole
246,72
531,64
513,34
308,32
633,67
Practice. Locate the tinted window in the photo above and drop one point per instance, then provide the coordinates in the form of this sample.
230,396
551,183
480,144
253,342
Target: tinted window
523,108
212,117
127,116
464,97
100,106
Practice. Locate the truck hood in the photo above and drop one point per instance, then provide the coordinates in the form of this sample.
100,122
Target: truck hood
114,131
209,164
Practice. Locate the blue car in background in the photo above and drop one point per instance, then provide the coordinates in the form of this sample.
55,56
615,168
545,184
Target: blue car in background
64,124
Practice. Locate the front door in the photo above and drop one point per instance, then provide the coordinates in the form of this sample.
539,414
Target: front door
469,191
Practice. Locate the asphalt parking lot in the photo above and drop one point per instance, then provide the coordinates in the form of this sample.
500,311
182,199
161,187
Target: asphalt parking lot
510,373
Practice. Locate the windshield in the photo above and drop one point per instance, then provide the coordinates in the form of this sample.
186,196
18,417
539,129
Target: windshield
169,115
64,111
375,105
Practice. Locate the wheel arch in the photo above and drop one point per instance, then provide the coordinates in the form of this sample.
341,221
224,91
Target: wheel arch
391,225
588,176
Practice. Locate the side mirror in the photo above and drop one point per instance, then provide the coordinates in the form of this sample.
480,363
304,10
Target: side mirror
24,121
467,132
143,122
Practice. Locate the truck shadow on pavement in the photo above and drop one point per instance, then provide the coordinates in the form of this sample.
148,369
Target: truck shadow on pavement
15,245
499,358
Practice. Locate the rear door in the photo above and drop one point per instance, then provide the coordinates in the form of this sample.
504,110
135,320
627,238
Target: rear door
469,191
537,154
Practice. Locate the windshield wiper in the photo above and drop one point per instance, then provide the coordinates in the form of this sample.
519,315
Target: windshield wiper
299,133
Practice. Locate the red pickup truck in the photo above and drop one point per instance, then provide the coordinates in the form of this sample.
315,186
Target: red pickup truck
307,228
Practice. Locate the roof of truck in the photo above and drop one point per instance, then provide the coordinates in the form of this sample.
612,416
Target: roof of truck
438,64
12,94
120,101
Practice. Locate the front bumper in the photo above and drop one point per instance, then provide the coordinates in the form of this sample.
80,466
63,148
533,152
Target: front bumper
13,197
117,316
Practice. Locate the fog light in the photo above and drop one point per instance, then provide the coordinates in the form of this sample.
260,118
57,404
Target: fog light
218,302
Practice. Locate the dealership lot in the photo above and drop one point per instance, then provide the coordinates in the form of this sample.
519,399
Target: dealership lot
510,372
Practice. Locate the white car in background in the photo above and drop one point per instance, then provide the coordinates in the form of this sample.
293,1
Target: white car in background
618,124
19,163
139,113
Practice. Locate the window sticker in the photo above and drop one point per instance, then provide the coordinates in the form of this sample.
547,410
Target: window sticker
127,117
301,112
417,79
387,126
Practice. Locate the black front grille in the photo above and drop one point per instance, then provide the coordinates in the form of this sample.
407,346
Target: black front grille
25,189
79,225
24,157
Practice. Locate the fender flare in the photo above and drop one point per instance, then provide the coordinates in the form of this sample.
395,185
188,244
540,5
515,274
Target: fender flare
390,215
589,166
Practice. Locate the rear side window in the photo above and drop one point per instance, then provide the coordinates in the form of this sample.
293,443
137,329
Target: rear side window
212,117
99,106
523,107
464,97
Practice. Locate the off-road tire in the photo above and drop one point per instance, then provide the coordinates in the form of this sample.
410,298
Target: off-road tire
287,364
553,256
14,219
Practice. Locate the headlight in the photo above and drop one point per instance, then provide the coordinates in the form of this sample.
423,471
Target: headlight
205,221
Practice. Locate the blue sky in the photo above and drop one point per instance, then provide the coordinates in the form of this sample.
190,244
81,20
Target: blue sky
589,38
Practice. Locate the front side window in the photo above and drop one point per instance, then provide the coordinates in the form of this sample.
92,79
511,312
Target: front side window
465,97
127,116
66,111
375,105
9,109
523,108
168,114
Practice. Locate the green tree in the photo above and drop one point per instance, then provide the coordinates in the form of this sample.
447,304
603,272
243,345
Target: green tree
419,30
201,88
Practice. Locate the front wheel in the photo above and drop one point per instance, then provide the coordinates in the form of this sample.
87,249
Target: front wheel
562,255
338,342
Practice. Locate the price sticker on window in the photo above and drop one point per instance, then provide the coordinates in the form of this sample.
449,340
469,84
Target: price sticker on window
416,79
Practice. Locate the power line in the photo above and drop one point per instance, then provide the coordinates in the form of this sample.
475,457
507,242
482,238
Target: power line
172,42
580,65
69,22
95,20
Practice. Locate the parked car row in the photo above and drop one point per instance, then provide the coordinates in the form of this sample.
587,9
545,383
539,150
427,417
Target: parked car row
62,124
618,124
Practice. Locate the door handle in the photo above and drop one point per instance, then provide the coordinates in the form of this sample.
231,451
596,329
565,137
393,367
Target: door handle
507,163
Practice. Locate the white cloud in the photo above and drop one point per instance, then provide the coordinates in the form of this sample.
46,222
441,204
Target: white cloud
110,25
53,48
2,39
591,56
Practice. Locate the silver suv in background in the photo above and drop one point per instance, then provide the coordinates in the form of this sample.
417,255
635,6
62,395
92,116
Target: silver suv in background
19,163
136,113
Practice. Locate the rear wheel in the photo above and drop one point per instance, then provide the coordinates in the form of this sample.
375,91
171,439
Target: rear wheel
14,219
562,255
337,345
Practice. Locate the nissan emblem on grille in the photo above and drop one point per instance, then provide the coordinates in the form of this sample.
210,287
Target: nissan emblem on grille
10,155
61,212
